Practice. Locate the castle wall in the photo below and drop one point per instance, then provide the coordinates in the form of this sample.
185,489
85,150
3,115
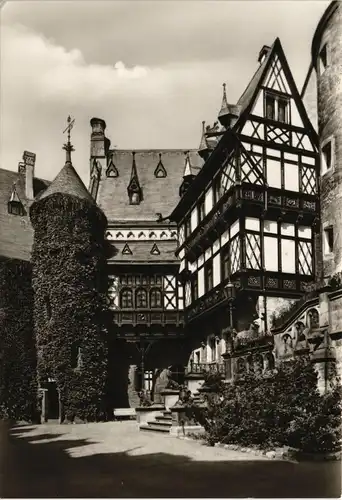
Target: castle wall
329,90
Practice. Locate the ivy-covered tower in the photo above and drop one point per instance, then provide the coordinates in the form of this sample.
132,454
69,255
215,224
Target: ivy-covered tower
68,261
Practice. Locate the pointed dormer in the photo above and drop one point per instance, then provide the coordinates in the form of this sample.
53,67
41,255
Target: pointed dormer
204,149
229,113
133,188
188,175
15,207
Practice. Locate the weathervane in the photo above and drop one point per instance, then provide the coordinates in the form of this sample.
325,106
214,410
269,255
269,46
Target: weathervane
68,146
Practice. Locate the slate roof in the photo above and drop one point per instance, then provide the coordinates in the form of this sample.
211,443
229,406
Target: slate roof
160,195
141,252
69,182
16,233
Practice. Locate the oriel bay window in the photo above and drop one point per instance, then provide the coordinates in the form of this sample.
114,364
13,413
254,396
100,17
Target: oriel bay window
286,249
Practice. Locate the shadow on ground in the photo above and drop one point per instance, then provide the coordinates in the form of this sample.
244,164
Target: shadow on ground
45,469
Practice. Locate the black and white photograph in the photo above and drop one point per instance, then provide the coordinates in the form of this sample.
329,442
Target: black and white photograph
170,248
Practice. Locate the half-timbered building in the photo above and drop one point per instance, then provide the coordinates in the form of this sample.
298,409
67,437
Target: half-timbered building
248,222
134,189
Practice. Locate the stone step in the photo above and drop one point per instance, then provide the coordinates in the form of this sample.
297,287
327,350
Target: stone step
164,418
166,423
154,427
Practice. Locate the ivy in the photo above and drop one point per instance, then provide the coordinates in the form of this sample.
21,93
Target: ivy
69,281
18,380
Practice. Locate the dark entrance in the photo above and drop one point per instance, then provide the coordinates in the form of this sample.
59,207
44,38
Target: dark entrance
53,401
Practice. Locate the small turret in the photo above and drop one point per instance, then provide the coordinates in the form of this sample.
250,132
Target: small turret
188,175
229,113
204,150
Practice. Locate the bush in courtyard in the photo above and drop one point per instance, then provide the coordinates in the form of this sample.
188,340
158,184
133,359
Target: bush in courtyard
69,280
280,408
18,378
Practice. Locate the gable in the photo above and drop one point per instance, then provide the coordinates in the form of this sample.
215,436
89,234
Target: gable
277,100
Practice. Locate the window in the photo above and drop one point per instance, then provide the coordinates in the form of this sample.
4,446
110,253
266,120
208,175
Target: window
187,227
277,108
201,210
282,111
156,299
328,240
141,299
270,107
225,263
323,59
15,208
126,299
327,156
208,275
194,288
217,189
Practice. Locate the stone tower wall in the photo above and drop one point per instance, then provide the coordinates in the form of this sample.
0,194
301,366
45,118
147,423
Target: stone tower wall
329,90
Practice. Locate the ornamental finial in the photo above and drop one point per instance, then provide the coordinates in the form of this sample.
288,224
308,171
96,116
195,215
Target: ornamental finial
68,146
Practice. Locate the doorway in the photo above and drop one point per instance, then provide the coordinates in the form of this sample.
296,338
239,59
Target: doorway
52,401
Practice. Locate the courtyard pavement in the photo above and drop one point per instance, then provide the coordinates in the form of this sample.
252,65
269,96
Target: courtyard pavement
114,459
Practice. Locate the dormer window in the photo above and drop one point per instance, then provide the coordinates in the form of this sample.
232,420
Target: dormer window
135,199
15,208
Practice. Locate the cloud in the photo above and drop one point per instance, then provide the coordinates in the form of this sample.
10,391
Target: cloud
42,83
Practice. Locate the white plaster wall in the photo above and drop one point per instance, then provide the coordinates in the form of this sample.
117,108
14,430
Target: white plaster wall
270,253
288,262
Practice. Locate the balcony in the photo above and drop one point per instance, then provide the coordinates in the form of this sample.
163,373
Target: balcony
203,368
148,317
252,339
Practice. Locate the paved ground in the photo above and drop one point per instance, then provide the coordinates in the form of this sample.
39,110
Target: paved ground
116,460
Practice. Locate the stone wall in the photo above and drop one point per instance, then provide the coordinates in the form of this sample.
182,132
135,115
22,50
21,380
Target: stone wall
330,127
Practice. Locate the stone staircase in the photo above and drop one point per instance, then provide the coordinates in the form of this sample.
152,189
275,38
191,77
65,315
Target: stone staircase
161,423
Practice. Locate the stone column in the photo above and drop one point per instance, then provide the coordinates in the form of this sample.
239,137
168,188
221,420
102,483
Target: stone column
133,397
44,413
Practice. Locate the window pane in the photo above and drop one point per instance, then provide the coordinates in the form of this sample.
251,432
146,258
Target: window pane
273,168
270,102
282,111
271,253
288,256
141,298
291,177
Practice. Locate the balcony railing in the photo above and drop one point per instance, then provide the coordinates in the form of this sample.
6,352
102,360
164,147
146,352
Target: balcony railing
148,318
202,368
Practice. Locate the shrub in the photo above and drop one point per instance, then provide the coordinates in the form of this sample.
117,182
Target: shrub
281,408
69,280
18,379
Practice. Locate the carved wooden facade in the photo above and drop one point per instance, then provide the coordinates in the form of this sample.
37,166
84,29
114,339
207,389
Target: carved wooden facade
252,214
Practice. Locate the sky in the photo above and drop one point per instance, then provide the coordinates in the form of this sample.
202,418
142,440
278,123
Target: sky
153,70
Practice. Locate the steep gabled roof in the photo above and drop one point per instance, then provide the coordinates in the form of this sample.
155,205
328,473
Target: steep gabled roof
68,182
16,233
160,194
245,103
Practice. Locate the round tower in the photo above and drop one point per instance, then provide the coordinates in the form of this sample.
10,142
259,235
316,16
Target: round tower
327,61
68,261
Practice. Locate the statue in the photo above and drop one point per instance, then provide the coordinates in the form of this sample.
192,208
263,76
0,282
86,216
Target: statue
163,377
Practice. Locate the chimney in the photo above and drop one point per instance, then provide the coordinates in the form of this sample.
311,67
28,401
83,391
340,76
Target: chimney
263,53
29,163
98,138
